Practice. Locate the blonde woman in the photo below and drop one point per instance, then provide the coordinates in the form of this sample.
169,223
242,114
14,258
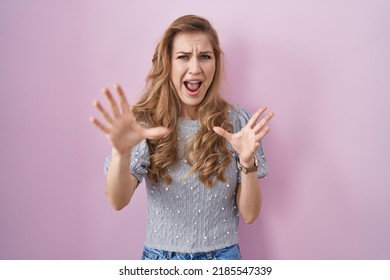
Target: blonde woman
200,157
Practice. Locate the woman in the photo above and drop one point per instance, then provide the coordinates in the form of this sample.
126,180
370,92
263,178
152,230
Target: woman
200,156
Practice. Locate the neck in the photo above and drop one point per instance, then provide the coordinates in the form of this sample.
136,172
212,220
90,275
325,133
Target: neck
189,113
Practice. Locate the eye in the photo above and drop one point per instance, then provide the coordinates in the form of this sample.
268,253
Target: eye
185,57
205,56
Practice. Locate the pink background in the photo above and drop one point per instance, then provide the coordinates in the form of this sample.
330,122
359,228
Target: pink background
322,66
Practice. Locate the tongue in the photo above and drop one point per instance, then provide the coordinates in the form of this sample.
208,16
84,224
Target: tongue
192,86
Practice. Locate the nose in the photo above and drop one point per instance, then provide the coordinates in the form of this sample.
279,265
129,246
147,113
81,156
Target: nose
194,66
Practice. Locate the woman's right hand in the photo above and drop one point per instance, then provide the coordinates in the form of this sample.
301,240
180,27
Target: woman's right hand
121,128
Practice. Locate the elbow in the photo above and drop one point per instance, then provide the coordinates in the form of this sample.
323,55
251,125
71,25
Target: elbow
117,207
250,219
117,204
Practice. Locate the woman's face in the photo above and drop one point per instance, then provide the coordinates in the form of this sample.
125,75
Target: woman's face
193,68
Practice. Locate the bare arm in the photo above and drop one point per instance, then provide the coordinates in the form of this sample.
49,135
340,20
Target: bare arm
120,183
246,143
123,132
248,195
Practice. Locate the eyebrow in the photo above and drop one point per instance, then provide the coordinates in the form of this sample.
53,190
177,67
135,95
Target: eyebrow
202,52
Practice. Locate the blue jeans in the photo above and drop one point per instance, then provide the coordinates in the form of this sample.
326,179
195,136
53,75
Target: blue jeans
228,253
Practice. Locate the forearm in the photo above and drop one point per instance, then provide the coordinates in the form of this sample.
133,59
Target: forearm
120,184
249,197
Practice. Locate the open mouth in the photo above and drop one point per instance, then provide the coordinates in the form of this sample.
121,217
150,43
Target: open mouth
192,85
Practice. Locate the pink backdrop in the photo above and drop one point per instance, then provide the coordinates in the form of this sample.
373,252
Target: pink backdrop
322,66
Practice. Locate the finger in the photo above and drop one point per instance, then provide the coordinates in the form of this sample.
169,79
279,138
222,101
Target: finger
252,121
111,101
155,132
262,133
221,132
122,99
263,122
102,111
96,122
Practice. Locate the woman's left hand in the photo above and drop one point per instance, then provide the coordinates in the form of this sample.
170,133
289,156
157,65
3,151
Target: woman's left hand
246,141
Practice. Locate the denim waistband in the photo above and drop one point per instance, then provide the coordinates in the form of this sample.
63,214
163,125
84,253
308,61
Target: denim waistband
228,253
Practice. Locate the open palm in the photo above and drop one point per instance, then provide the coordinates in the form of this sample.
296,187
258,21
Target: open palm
246,141
121,128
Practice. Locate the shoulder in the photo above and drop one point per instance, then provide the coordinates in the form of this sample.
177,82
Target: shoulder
239,116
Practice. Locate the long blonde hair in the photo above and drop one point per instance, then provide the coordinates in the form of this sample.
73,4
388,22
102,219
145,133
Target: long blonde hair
207,152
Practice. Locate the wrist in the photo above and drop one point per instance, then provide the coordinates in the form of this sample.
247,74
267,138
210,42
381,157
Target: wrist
247,163
248,166
117,153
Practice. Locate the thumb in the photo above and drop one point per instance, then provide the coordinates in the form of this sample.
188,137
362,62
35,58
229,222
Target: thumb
156,132
222,132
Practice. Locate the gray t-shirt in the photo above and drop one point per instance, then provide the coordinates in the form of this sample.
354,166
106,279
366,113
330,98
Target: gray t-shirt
186,216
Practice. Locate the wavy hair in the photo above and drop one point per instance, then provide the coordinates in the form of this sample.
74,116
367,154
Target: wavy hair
206,151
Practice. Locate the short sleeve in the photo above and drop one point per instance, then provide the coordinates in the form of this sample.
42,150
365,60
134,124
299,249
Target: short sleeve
240,118
139,161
